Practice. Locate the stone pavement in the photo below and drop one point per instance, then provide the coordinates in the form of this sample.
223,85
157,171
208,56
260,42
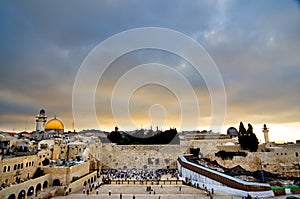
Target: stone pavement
139,191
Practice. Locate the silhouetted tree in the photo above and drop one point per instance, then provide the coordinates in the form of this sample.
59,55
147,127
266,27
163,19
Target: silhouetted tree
247,139
167,137
242,132
242,129
252,139
115,136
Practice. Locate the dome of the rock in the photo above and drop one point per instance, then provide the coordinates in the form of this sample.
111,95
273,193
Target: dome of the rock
54,124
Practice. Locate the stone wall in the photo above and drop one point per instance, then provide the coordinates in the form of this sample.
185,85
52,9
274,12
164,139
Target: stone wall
196,179
75,149
66,174
280,159
140,156
208,146
25,187
59,152
78,184
274,158
22,167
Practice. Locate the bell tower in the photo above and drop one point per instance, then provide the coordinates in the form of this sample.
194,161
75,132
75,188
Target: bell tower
40,121
266,133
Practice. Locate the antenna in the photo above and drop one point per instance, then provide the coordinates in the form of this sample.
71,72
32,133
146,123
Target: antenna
73,126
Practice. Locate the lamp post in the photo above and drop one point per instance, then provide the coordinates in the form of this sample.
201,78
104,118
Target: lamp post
262,171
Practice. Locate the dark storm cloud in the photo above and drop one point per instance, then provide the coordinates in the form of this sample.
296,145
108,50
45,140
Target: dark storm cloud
255,45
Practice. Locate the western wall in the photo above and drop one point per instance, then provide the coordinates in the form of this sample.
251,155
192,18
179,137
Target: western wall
272,158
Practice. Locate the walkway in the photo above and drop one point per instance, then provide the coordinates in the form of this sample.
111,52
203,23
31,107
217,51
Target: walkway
166,192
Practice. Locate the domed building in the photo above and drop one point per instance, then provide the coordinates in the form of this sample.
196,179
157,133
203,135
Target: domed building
54,128
232,132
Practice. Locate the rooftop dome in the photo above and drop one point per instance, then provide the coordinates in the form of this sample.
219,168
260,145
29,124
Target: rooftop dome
42,112
54,124
232,131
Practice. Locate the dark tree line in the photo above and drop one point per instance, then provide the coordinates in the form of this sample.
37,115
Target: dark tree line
247,138
160,137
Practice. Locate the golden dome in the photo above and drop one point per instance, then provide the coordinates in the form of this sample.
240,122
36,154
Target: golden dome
54,124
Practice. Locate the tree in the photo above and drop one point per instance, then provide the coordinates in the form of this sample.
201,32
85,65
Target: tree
252,139
247,139
115,136
241,135
242,129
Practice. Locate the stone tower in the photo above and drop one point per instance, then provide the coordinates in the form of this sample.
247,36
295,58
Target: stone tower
266,133
40,121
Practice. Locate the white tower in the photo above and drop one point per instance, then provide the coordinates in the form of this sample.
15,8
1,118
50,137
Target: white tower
40,121
266,133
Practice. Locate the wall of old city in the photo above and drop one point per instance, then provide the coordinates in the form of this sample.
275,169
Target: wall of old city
140,156
278,159
209,146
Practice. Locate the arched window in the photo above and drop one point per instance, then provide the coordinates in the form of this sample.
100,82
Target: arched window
12,196
15,167
56,182
4,169
8,168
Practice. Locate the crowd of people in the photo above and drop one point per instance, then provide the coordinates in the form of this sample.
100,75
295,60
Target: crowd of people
136,174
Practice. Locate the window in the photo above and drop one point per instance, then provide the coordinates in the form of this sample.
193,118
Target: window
21,165
26,164
8,168
15,167
32,163
4,169
296,154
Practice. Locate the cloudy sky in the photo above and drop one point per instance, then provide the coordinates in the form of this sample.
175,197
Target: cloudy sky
254,44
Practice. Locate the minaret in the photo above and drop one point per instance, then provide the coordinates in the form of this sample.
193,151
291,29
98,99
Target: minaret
40,121
266,133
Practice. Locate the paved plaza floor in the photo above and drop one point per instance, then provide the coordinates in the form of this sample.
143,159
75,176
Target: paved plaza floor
139,192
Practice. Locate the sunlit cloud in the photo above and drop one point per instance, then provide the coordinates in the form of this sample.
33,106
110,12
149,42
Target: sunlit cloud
255,46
